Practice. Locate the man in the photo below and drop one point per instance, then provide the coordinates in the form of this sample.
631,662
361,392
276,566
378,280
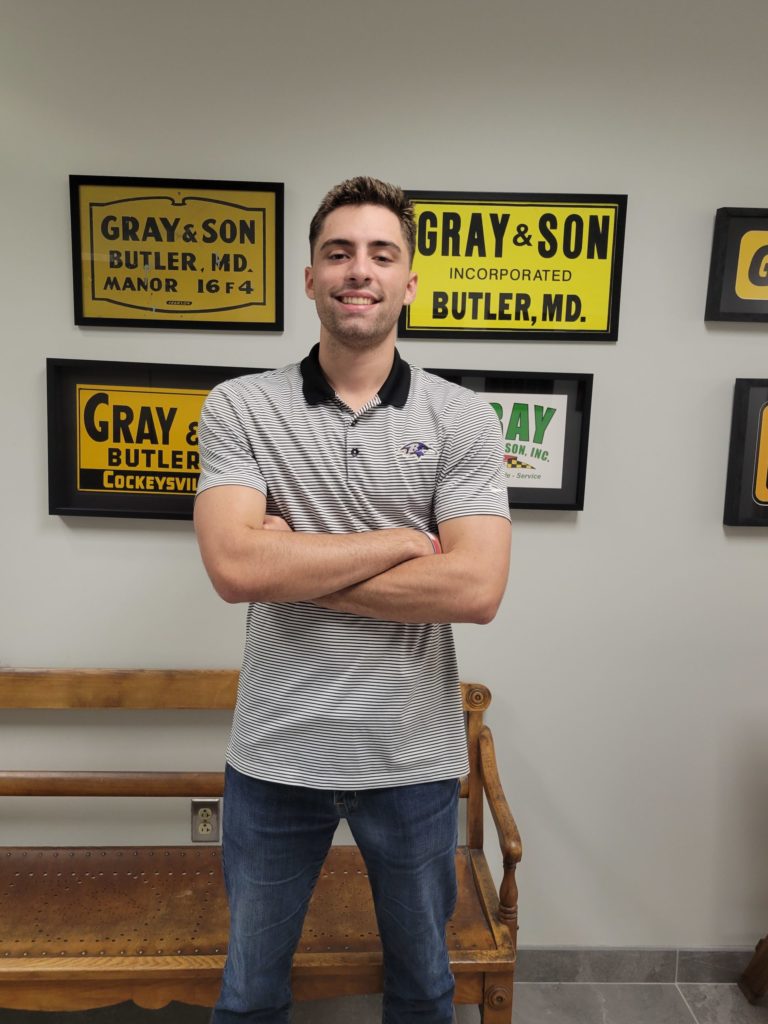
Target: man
359,506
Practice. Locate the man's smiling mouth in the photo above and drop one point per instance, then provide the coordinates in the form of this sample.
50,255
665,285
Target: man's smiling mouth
357,300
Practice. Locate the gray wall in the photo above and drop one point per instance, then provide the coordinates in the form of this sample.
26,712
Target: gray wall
627,661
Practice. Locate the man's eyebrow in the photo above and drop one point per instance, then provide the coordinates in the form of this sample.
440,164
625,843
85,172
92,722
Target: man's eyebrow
380,244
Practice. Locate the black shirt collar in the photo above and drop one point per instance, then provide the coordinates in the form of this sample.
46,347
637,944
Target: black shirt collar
394,390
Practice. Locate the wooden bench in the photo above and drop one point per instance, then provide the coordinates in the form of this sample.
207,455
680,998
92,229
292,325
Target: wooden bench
88,927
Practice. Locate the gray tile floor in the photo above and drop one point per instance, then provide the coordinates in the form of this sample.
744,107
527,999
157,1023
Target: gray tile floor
581,1003
618,1003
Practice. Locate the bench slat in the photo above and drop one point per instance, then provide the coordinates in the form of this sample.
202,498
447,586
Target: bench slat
144,689
137,689
190,784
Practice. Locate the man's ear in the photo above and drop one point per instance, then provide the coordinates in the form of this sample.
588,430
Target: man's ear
309,282
410,289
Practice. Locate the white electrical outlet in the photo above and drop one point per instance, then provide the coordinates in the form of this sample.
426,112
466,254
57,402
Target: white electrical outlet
206,819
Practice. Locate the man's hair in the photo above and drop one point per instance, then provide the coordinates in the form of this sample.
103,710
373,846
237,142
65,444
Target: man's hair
364,190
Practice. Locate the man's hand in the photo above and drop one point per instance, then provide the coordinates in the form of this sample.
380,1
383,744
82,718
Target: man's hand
276,523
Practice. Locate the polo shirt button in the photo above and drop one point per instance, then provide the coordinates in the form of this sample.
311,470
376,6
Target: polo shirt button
355,451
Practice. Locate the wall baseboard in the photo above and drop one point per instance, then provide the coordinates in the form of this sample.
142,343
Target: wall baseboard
641,966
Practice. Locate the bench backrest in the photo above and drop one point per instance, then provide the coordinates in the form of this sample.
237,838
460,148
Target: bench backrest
172,689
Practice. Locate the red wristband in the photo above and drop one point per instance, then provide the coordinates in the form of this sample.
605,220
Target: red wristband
434,541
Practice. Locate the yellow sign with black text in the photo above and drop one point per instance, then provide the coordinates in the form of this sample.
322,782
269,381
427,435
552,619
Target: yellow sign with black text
761,468
738,268
177,253
512,265
752,266
137,440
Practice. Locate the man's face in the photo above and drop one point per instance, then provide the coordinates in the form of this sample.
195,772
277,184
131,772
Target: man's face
360,276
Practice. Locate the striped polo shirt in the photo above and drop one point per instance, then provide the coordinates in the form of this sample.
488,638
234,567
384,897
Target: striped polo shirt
328,699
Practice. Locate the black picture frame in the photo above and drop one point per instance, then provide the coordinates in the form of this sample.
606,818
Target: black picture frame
746,487
574,391
738,271
499,267
145,255
88,441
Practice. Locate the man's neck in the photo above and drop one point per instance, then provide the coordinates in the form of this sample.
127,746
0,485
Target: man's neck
356,375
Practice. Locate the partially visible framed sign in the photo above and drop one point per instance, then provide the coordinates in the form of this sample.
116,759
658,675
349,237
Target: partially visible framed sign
162,252
544,418
122,437
516,265
746,488
738,270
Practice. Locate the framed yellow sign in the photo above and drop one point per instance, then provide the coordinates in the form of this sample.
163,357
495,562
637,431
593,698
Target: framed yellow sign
162,252
122,437
738,270
746,489
514,265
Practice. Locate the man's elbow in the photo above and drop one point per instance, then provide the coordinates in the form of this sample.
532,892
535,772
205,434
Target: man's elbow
230,585
489,594
230,594
479,580
227,587
481,605
484,612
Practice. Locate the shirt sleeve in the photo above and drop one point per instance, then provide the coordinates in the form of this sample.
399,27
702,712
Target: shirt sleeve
226,454
471,480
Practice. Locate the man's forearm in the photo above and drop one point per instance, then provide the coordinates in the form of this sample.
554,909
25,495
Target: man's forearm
410,592
466,584
266,565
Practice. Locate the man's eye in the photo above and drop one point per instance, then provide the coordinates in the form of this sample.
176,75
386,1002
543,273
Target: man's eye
336,255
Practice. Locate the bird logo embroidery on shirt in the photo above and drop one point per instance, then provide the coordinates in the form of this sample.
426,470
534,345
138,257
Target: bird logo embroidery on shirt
416,448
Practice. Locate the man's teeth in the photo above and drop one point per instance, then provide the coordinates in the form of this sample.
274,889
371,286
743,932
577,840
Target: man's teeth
356,300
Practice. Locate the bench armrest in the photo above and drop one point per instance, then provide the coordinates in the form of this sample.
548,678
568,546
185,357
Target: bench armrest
509,837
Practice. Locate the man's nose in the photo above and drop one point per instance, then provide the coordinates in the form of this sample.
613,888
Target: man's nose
358,268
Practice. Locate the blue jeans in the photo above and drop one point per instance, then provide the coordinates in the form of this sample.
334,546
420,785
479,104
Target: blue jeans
275,841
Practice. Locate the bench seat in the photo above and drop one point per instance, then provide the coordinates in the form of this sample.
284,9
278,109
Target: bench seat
155,918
